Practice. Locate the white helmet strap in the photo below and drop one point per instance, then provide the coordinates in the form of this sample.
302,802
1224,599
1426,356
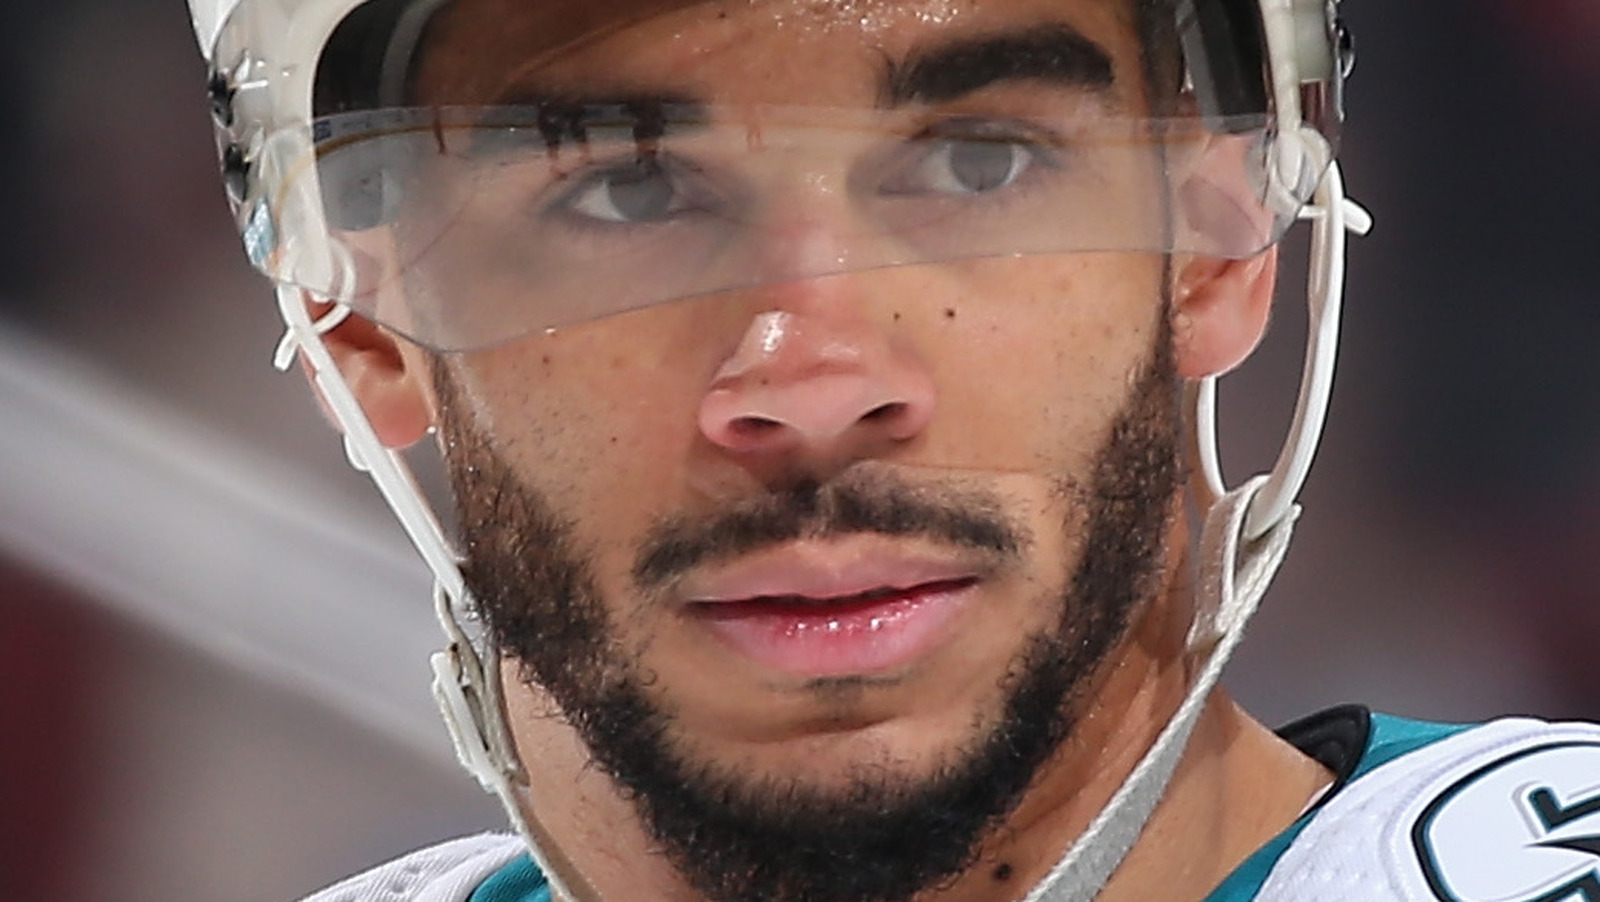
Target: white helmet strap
1234,575
1243,542
466,690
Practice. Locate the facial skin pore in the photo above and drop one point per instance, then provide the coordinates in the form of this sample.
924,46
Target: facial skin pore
1003,431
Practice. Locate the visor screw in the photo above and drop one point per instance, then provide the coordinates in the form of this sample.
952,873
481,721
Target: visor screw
235,172
221,91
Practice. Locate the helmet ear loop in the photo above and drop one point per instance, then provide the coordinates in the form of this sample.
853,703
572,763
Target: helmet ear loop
1333,217
467,690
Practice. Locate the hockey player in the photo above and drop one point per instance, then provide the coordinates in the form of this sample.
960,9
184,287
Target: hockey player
813,378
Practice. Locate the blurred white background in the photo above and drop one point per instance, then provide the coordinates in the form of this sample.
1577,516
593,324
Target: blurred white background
212,639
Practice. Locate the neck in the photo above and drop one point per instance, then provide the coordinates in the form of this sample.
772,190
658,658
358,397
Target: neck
1236,786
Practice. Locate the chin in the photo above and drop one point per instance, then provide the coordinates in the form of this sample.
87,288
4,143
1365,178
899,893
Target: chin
849,740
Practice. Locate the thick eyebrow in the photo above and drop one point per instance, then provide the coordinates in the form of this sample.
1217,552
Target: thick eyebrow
1053,53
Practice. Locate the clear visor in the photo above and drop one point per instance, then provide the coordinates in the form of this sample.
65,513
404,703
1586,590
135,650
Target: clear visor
466,225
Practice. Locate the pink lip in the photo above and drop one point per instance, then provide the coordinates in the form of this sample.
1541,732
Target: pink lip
821,571
832,609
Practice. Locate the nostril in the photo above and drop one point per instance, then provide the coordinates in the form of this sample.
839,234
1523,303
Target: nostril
750,428
885,412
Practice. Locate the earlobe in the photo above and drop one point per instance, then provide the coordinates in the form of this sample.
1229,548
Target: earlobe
1220,309
388,382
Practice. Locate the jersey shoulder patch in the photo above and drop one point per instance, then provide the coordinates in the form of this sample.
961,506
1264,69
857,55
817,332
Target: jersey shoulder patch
1505,812
448,872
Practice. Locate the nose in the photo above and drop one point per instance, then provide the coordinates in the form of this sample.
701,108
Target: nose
816,382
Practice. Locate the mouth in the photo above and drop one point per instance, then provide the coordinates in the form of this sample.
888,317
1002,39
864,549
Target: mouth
828,612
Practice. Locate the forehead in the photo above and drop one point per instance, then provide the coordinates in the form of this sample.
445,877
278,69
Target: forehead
817,52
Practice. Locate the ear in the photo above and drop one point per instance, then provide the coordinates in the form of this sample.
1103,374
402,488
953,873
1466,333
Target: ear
388,379
1220,309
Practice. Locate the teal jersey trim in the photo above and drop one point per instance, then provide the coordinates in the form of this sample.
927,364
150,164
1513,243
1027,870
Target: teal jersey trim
519,881
1391,738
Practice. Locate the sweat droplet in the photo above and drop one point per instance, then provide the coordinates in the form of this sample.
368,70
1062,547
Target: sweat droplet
772,332
762,341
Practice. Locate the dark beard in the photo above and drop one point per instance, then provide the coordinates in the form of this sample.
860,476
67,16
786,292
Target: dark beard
879,837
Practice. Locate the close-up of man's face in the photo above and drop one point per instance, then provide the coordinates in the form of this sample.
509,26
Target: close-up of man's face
774,551
829,446
799,451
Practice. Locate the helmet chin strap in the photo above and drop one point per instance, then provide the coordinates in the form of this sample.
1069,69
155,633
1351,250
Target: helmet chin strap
1244,539
466,683
1242,543
1234,575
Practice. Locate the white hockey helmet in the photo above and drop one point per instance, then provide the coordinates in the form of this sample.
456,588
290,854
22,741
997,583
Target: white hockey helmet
330,150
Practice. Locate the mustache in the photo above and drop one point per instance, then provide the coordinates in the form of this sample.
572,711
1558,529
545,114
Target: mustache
881,504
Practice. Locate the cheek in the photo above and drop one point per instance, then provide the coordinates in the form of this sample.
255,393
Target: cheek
1030,359
599,419
1031,370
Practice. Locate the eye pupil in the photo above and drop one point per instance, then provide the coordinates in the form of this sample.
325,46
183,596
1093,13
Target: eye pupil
641,192
983,165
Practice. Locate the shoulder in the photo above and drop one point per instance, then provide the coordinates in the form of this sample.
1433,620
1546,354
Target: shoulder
448,872
1507,811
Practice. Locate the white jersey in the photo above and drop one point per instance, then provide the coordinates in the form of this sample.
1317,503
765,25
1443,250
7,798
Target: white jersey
1502,812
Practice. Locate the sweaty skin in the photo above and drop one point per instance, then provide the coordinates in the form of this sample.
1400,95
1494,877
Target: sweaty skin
999,378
